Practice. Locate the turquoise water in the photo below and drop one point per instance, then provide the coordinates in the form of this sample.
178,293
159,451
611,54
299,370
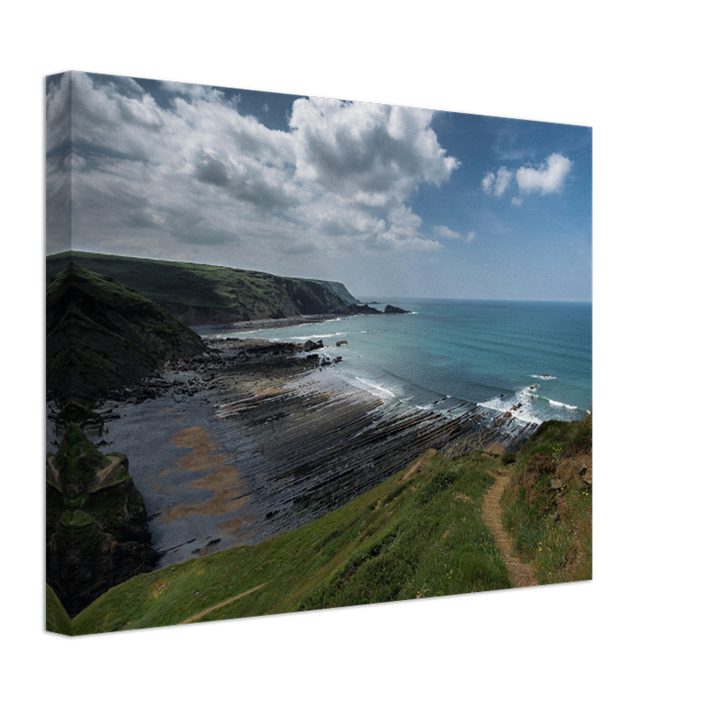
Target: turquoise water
451,354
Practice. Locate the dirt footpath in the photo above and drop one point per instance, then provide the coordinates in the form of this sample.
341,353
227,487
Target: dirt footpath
521,574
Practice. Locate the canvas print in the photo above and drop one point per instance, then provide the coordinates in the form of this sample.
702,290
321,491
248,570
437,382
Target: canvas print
306,353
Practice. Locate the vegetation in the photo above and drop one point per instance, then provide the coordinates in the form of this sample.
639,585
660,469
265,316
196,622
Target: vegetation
102,335
56,618
547,507
209,294
96,530
416,535
419,534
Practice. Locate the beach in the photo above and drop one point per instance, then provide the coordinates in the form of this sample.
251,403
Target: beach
257,437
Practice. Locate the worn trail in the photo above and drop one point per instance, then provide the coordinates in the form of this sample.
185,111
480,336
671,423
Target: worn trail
521,574
222,603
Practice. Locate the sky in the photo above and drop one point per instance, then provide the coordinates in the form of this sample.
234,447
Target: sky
389,200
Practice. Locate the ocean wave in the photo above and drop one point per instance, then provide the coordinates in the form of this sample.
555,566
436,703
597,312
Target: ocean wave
505,404
384,393
317,336
545,378
533,394
562,405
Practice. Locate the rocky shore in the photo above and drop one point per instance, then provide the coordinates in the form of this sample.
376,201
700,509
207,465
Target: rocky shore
252,438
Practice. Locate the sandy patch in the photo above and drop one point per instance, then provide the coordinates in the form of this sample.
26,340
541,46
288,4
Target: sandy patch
224,479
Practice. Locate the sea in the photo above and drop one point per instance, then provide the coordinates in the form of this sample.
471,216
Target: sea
531,358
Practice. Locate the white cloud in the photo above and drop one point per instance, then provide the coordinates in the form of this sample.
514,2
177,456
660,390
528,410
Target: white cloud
367,149
192,90
57,113
498,183
445,232
199,173
404,231
548,178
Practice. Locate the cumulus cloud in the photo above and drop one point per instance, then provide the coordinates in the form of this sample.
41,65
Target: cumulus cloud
367,149
545,178
404,231
57,113
498,183
445,232
196,171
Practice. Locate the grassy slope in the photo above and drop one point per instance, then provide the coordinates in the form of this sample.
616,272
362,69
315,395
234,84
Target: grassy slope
56,618
178,286
419,537
404,539
553,526
102,334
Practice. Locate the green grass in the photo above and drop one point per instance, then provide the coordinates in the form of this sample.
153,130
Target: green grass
402,540
553,526
56,618
179,286
419,537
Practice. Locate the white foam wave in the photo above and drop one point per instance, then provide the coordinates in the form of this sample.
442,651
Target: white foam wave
505,404
561,405
543,377
317,336
531,394
384,393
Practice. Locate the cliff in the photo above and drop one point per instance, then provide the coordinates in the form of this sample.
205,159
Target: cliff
208,294
97,533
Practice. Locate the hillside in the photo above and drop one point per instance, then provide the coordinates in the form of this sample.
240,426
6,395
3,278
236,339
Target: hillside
208,294
102,335
426,531
547,507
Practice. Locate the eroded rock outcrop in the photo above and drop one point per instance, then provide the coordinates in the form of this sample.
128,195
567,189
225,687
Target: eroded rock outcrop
97,528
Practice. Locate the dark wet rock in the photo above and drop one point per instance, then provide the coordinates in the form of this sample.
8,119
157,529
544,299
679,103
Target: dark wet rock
363,309
312,345
390,309
97,527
